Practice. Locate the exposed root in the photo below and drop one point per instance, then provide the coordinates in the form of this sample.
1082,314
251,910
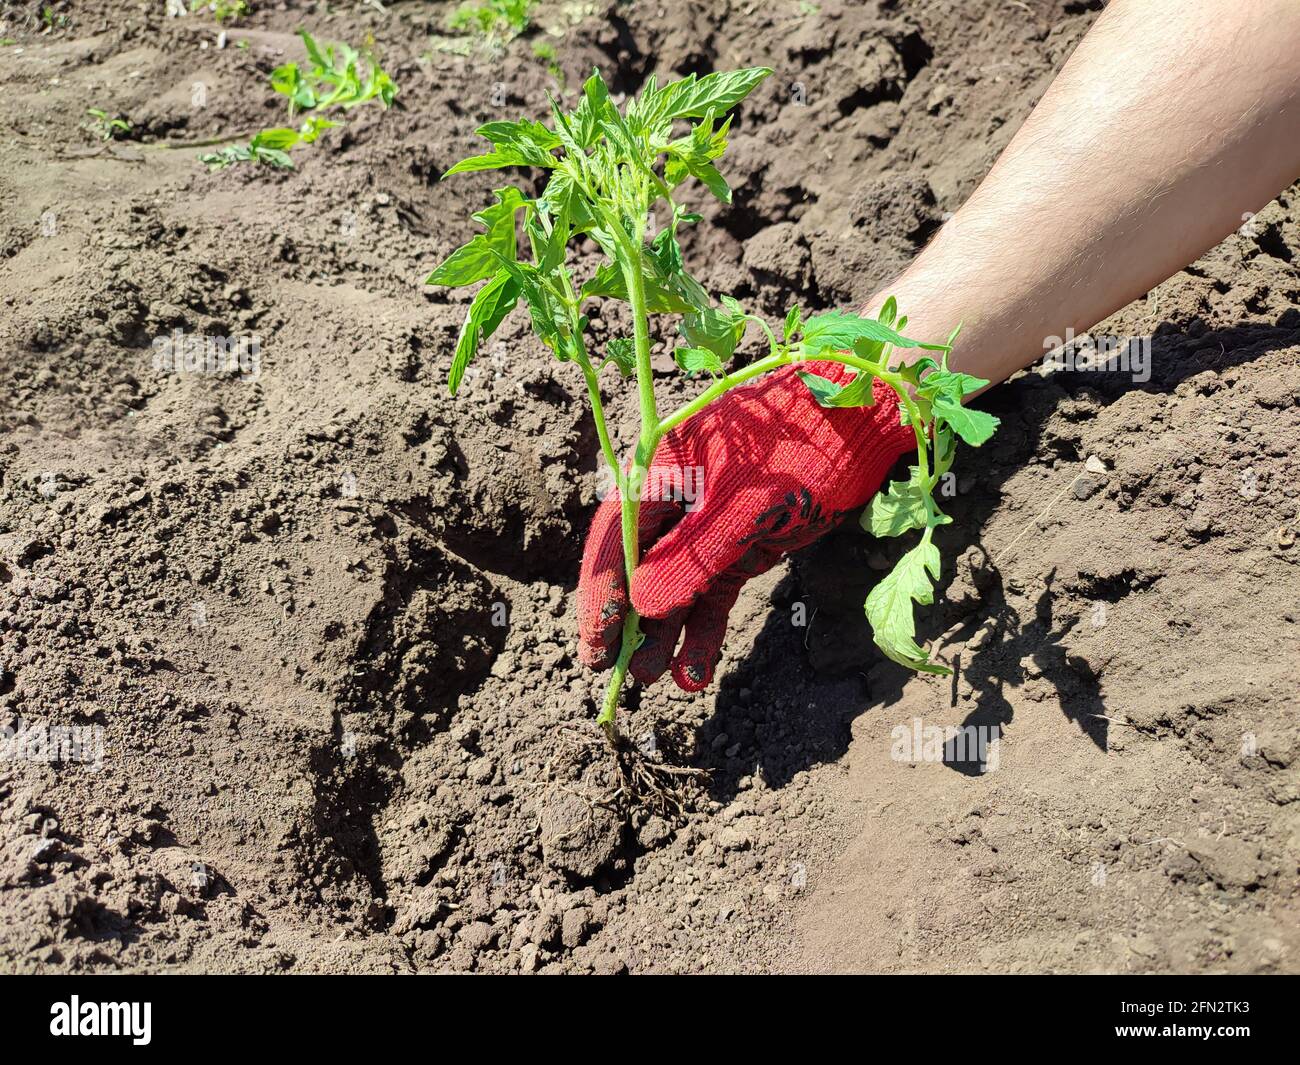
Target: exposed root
647,779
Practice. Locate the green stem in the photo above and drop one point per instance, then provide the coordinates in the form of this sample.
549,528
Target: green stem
631,486
775,362
598,414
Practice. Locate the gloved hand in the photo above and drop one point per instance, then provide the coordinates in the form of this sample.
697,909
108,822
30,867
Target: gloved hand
776,472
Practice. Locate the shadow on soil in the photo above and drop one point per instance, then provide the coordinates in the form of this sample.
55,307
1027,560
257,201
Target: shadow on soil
780,710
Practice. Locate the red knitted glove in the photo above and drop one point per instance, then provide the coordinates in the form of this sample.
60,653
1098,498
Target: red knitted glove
773,472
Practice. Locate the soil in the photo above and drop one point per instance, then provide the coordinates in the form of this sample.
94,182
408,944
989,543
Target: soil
322,611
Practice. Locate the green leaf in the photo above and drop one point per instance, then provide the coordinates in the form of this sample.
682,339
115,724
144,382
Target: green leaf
889,311
693,155
717,92
288,81
838,331
314,52
693,360
715,330
889,607
973,426
823,391
313,127
481,257
581,124
608,281
512,155
549,315
525,131
666,254
469,263
793,321
621,351
274,157
859,392
276,138
856,393
949,383
899,508
912,371
491,304
712,180
562,195
608,120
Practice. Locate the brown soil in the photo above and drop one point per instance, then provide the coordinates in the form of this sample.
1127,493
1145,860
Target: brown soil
323,613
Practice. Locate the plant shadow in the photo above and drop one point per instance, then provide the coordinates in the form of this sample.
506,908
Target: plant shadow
788,704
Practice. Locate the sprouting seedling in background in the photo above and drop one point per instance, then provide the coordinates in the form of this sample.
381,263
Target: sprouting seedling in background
336,75
105,126
270,146
497,21
545,51
609,169
222,9
53,21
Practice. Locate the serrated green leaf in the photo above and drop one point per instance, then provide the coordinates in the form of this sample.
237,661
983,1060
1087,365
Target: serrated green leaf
718,92
480,258
469,263
899,508
911,372
838,331
544,308
582,125
562,195
489,307
693,360
693,155
524,131
889,607
666,253
860,392
715,330
973,426
621,351
497,160
949,383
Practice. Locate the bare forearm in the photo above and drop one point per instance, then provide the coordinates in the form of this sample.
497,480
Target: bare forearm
1172,120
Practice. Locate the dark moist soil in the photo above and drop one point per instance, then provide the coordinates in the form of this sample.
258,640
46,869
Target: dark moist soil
322,614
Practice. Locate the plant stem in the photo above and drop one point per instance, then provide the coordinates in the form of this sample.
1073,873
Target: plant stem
775,362
598,414
630,487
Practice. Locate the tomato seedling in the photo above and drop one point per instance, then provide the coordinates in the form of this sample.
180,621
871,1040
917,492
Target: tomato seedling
333,77
609,169
105,126
221,9
494,20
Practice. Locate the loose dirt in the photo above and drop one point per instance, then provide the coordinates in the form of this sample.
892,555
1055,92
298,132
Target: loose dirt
320,613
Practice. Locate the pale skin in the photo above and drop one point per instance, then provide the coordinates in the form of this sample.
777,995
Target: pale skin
1171,121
